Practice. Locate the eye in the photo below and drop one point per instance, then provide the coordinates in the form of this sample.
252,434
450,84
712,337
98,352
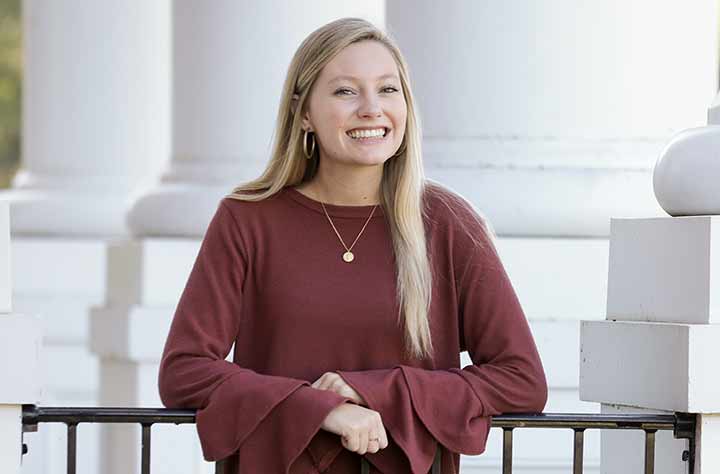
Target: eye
345,91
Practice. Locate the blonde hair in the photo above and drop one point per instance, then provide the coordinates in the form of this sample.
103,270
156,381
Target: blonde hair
403,181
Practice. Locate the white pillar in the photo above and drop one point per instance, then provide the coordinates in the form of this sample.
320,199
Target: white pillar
549,114
95,113
20,345
230,59
95,132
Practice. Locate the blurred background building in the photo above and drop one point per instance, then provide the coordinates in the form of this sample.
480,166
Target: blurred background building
137,117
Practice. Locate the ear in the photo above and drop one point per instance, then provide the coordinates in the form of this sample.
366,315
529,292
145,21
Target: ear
306,116
306,122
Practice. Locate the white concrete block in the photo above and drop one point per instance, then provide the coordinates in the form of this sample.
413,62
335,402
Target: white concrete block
5,262
59,266
665,269
20,346
57,279
64,316
151,271
664,366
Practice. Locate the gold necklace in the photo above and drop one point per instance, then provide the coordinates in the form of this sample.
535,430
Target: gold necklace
348,256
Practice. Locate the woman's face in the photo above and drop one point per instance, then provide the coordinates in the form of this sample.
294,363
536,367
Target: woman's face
359,89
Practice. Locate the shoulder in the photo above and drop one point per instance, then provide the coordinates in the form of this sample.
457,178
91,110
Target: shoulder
448,208
246,205
238,216
458,231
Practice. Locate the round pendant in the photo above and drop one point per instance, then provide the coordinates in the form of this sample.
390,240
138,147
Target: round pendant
348,256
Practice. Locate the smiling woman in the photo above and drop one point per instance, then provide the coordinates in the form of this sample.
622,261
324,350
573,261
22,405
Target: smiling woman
348,284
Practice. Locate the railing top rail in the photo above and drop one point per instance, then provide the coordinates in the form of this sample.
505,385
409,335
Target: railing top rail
586,421
33,414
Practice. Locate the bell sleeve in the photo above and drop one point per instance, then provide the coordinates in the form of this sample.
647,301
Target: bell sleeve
268,419
453,407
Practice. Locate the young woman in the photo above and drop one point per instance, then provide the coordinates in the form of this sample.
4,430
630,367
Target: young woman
348,284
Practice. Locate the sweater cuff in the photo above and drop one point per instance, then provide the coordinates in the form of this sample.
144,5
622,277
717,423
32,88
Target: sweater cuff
235,410
386,392
290,428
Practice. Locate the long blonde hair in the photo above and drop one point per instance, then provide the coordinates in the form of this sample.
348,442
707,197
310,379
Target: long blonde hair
403,181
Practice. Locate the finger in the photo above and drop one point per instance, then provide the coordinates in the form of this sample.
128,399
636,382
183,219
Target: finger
383,440
338,387
329,380
373,446
322,382
373,441
351,441
382,436
363,441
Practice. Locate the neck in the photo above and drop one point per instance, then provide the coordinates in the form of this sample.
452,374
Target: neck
349,189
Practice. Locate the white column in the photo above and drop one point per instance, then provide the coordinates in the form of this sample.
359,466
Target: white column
20,346
549,114
95,113
96,101
230,59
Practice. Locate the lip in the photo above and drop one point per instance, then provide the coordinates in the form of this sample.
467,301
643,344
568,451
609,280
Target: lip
368,128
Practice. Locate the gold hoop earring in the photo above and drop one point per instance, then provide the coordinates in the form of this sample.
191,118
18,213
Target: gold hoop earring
305,146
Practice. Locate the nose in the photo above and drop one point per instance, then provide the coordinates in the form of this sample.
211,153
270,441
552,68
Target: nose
369,106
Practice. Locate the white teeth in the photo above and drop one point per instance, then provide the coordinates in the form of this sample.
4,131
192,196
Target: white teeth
378,132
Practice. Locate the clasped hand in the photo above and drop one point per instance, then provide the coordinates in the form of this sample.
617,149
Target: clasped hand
361,429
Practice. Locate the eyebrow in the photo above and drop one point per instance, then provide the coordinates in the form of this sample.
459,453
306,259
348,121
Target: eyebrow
352,78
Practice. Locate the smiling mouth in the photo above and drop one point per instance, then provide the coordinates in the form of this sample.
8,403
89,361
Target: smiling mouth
386,131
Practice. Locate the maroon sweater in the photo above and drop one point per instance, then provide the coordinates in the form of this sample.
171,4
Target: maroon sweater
270,278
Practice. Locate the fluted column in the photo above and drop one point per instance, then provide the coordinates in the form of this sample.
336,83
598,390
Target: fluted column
549,115
229,63
95,113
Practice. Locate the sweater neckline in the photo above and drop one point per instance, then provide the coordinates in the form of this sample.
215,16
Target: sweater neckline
334,210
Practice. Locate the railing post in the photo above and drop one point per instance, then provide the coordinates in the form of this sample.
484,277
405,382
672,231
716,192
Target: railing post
20,338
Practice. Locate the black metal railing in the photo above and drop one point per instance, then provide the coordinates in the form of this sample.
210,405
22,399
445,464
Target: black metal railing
681,424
